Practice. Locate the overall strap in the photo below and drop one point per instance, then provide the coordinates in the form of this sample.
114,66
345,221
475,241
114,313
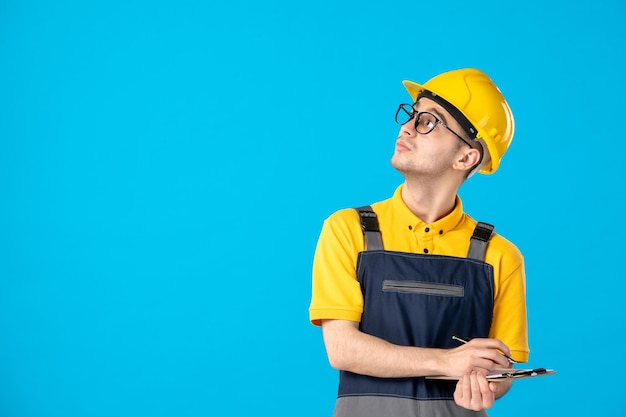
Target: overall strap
371,231
479,240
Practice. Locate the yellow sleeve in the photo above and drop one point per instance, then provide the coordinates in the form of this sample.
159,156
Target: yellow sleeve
336,292
509,314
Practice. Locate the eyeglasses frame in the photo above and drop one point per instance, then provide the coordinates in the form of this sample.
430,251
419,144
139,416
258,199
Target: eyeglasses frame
415,115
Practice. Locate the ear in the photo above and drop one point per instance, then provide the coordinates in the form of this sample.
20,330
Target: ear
467,159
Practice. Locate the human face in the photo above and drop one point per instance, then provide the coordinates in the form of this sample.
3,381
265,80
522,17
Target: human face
431,153
424,121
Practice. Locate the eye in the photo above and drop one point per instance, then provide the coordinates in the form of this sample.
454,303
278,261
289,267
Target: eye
426,122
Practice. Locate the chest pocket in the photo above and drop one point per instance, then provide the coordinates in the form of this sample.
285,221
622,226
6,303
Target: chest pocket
425,288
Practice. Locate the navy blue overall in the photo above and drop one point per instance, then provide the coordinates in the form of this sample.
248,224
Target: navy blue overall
419,300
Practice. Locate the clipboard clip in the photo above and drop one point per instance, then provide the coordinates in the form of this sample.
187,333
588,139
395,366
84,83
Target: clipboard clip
524,373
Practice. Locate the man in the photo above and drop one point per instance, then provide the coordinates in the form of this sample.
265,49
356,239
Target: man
394,282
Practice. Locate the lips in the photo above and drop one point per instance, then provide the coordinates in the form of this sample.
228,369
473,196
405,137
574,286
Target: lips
402,145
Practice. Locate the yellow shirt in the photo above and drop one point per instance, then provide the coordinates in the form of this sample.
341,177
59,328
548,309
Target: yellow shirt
337,293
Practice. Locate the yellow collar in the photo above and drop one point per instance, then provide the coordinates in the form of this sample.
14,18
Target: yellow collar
406,216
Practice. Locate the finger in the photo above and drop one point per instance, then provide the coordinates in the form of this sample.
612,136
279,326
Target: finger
462,393
501,361
486,365
476,393
494,358
487,396
483,385
458,392
492,344
494,386
503,348
467,389
485,349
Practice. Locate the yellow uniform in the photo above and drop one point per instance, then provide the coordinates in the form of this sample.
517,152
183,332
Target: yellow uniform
337,292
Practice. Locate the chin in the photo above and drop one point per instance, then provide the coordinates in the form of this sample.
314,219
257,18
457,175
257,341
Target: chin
398,162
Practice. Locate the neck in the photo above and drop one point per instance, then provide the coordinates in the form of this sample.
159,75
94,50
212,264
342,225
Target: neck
430,202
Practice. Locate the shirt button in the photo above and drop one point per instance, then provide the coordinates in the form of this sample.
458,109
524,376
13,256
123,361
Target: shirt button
427,230
425,250
441,232
410,227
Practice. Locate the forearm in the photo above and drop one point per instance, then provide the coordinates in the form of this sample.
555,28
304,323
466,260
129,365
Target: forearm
351,350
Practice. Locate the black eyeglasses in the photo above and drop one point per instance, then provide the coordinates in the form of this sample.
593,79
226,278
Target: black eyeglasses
425,122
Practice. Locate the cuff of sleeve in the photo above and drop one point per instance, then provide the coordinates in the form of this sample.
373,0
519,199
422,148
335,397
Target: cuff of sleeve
318,314
520,355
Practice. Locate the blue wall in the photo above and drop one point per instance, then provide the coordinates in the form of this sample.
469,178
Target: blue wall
165,168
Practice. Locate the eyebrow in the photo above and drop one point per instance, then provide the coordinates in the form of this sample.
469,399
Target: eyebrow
433,110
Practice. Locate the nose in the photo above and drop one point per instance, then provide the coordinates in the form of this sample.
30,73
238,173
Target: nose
408,129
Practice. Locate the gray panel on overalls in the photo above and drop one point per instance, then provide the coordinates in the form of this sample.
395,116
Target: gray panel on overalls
419,300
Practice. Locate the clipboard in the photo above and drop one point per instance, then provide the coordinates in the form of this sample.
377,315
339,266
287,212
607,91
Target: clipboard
504,373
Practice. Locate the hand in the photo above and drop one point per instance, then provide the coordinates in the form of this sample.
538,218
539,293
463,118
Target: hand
478,355
474,392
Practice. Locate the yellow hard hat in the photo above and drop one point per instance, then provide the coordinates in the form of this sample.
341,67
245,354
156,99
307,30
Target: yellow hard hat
477,104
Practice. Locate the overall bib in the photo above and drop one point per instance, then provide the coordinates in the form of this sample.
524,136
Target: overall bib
417,300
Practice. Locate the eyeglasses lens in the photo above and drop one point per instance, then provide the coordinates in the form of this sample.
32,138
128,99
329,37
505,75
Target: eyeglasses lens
425,122
404,113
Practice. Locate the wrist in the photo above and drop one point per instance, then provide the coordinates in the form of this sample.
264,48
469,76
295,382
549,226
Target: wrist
434,362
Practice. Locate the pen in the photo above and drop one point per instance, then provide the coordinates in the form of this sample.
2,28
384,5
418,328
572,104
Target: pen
466,340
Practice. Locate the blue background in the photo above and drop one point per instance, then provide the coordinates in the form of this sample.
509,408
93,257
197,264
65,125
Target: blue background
165,168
